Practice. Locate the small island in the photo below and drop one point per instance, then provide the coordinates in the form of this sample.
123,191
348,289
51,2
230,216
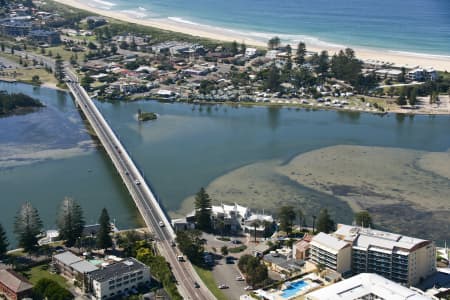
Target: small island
17,103
146,116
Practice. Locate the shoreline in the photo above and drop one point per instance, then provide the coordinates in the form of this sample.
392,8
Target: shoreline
441,63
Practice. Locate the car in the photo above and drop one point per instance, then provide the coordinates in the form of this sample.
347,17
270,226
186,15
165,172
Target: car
180,258
173,244
126,173
137,182
239,278
222,286
161,224
236,242
196,285
229,260
248,288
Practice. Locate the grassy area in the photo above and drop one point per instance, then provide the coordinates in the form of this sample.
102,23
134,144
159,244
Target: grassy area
237,249
40,272
211,284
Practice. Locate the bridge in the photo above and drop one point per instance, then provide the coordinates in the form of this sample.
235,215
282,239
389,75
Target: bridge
145,200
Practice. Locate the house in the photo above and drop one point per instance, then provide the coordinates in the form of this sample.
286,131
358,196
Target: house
71,266
392,74
301,250
331,252
366,286
282,264
45,37
265,224
250,52
272,54
118,279
420,74
14,286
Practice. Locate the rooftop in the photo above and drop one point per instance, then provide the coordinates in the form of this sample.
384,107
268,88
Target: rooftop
84,267
116,269
367,237
67,258
329,242
14,281
372,286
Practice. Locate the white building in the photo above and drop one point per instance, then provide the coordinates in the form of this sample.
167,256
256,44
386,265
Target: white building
250,52
331,252
366,286
397,257
272,54
118,279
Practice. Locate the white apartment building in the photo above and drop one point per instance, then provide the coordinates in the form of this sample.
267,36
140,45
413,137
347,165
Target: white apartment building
331,252
118,279
403,259
366,286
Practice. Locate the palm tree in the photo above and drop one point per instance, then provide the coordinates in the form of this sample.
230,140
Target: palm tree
256,224
301,218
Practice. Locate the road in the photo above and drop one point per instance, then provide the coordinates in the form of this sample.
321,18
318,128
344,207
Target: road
143,197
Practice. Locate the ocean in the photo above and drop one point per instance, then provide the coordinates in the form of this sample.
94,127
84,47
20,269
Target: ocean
415,26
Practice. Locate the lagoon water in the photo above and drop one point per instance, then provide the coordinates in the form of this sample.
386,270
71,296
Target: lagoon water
47,155
420,26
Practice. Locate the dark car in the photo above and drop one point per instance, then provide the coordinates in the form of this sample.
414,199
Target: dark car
196,285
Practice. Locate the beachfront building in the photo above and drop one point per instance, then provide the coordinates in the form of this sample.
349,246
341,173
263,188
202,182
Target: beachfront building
331,252
118,279
420,74
366,286
250,52
14,286
403,259
392,74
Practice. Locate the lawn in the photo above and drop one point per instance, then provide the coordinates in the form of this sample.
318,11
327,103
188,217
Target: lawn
40,272
211,284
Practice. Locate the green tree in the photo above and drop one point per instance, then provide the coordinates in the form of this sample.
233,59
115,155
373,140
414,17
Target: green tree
286,216
323,63
288,49
401,100
412,97
3,47
234,48
273,43
3,242
203,211
363,218
49,289
59,69
346,66
224,250
324,222
301,218
27,226
273,80
255,224
256,273
103,240
301,53
191,244
35,79
86,82
70,221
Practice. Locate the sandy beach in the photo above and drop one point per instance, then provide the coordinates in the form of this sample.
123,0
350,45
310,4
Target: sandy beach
401,58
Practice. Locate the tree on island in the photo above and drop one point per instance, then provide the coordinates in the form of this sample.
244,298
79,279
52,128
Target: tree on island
346,66
234,48
301,53
103,240
401,100
286,215
363,218
323,63
273,80
27,226
324,222
203,211
70,221
3,242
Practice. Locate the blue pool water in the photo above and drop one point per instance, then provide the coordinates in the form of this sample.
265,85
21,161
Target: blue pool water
294,288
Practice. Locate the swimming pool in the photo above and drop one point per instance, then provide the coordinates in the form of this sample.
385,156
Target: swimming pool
293,289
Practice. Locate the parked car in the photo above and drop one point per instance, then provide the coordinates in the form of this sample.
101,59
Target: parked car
223,286
239,278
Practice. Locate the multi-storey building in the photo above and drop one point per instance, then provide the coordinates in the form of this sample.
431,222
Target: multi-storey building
331,252
403,259
118,279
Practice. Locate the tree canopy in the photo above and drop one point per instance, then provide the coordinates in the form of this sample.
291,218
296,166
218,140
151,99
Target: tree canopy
103,239
363,218
286,216
203,211
191,244
324,222
70,221
27,226
3,242
255,272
